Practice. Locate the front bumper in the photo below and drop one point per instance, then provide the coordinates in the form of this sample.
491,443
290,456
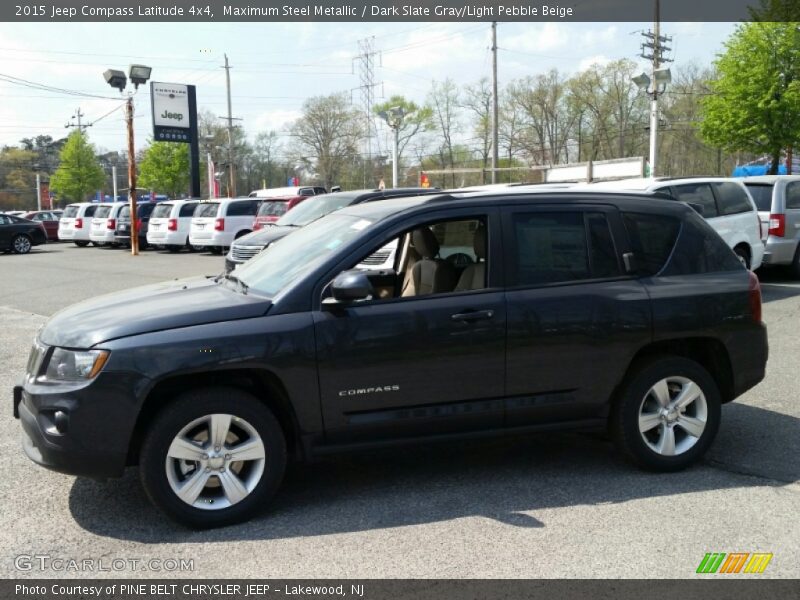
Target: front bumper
100,417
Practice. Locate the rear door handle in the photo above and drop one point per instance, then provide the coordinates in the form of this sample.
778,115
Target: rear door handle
473,315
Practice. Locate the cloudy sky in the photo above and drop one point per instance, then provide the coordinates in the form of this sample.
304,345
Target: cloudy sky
277,66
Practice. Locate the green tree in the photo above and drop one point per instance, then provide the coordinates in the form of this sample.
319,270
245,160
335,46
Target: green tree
165,168
79,171
755,101
417,119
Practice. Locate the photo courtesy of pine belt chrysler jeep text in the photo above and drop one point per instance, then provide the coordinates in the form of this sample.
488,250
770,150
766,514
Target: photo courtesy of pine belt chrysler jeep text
504,312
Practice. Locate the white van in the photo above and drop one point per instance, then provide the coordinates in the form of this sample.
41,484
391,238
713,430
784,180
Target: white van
104,223
303,190
170,224
725,203
74,224
216,223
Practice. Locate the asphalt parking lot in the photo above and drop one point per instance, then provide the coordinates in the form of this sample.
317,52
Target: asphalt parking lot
556,505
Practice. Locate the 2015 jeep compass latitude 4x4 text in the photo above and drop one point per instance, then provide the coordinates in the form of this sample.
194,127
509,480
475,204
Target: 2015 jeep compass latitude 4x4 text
503,313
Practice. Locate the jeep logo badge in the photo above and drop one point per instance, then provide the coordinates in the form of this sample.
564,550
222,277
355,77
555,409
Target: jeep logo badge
173,116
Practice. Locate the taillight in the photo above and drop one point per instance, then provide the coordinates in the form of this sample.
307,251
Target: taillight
172,225
754,291
111,223
219,225
78,223
138,224
777,225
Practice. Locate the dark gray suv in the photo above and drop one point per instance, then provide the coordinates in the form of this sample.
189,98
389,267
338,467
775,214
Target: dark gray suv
503,313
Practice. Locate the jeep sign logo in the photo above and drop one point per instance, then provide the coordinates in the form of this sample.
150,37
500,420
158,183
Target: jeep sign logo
171,115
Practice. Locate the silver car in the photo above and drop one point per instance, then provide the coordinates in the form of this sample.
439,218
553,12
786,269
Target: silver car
778,200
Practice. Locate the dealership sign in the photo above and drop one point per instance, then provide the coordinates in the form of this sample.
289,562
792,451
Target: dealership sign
174,112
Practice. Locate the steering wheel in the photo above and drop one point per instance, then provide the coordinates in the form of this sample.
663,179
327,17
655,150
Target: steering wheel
460,260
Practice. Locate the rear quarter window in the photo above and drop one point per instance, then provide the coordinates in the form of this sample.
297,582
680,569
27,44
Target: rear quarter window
70,212
732,198
762,195
208,209
90,210
793,195
243,209
699,194
652,239
187,210
700,249
162,210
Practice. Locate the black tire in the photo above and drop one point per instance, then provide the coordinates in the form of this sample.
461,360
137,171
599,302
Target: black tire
174,248
194,405
744,255
624,420
795,266
21,244
81,244
216,249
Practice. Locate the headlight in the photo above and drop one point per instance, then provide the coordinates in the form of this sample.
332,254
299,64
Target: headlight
75,365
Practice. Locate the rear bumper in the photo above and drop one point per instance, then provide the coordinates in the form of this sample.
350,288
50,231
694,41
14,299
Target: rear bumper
166,238
215,239
102,238
749,353
780,251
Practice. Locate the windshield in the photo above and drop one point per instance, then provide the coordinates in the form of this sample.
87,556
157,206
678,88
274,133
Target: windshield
314,208
762,195
272,208
297,254
102,211
206,209
162,210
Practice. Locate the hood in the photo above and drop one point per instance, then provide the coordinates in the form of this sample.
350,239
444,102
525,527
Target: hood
266,236
156,307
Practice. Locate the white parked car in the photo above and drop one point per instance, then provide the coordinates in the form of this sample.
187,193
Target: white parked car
104,223
170,224
216,223
725,203
74,224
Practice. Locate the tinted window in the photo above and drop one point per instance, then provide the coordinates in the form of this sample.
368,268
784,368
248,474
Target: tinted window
90,211
187,210
102,212
602,255
162,211
272,208
762,195
143,211
4,220
307,192
699,194
700,249
652,238
242,209
793,195
206,209
70,212
320,190
124,213
732,198
550,248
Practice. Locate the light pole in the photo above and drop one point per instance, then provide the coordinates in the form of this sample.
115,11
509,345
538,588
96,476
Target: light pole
138,75
653,87
394,119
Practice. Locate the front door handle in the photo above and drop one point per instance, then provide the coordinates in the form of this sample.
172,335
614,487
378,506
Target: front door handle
473,315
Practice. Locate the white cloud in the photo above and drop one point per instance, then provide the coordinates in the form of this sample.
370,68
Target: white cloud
277,120
597,59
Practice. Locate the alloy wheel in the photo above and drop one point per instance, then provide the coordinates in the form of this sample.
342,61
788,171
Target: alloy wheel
673,416
22,245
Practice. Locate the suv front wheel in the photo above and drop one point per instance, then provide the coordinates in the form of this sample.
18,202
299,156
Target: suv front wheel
213,457
667,414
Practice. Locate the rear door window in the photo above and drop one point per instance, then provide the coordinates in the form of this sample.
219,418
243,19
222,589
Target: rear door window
102,212
162,211
550,248
70,212
652,239
793,195
762,195
207,209
732,198
699,194
90,211
243,208
187,210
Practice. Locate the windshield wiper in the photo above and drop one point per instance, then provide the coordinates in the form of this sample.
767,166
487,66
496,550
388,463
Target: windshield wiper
243,287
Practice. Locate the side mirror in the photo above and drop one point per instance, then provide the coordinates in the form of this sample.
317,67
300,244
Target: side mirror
349,287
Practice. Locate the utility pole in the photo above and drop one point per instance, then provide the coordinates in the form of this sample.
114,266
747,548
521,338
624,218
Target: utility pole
231,168
654,44
114,181
77,116
38,191
494,103
132,175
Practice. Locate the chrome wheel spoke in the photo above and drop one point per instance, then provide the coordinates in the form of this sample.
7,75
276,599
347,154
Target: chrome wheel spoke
661,392
233,487
666,441
218,429
648,421
692,426
687,395
183,449
192,487
252,449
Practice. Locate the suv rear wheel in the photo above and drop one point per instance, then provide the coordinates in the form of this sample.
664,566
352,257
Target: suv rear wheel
667,414
214,457
743,254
